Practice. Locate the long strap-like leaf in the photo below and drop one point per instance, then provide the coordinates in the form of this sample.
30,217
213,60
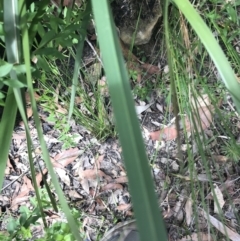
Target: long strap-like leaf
10,109
149,220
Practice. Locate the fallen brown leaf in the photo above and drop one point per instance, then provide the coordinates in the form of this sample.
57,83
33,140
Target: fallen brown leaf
93,174
220,158
39,177
63,175
122,179
66,157
124,207
189,211
169,133
29,112
19,136
220,201
98,161
202,120
197,237
85,185
17,201
150,69
27,97
112,186
221,227
78,100
60,109
23,195
74,194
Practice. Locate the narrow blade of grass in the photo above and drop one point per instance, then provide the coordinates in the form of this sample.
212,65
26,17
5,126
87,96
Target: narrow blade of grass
149,220
6,128
10,109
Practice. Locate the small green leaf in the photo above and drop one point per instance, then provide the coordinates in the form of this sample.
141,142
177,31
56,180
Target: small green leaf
1,30
43,64
232,13
14,83
59,237
75,41
68,237
65,227
31,220
24,209
20,69
73,27
2,96
40,29
23,218
49,36
5,69
12,226
26,233
50,51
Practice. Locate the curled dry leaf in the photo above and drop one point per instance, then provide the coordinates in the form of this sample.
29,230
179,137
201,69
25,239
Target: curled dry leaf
220,159
201,120
9,167
124,207
90,177
93,174
189,211
17,201
19,136
102,84
39,177
122,179
98,161
74,194
78,100
178,212
112,186
141,108
27,97
85,185
63,175
150,69
169,133
66,157
177,208
29,112
23,195
220,201
203,100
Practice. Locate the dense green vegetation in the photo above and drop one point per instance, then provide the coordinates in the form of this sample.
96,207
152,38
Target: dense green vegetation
42,50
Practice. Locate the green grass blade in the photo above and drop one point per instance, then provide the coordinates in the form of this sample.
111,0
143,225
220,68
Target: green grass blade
149,220
22,110
10,109
10,14
6,128
213,49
